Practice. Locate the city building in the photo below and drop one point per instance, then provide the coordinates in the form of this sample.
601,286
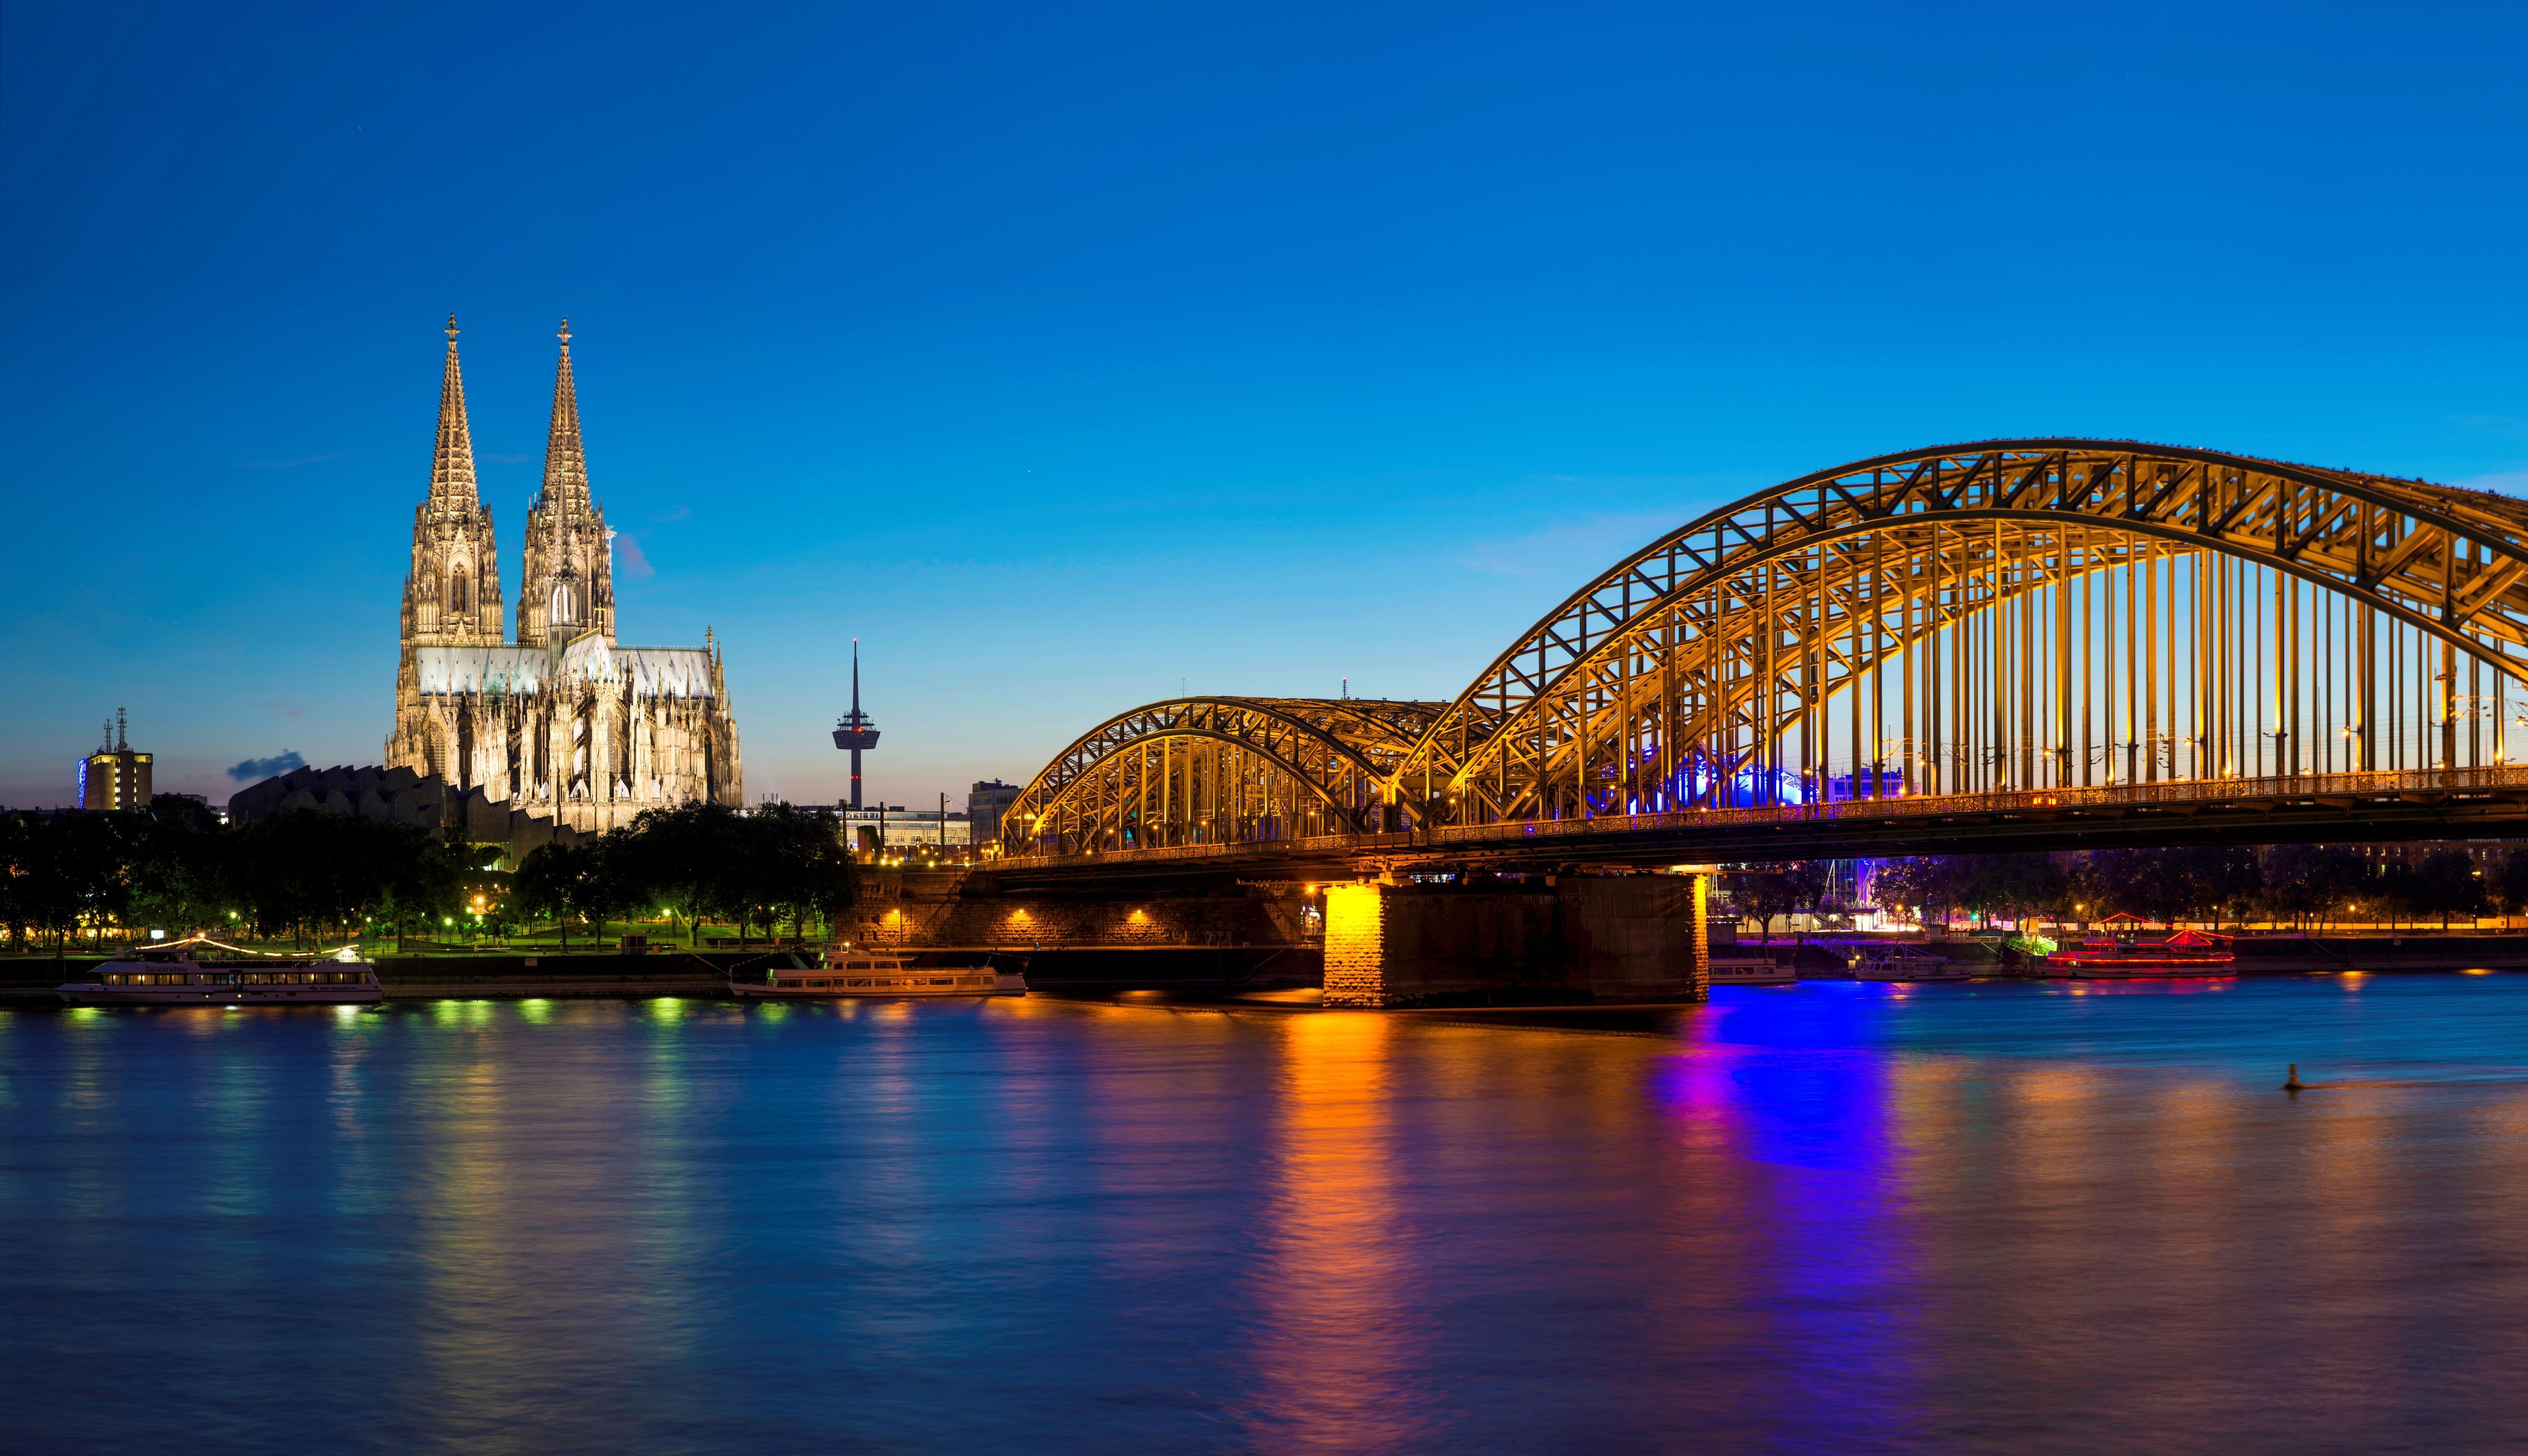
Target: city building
895,828
114,776
399,796
986,802
563,723
396,795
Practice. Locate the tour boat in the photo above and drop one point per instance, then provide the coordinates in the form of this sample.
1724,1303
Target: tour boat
2114,953
1907,966
849,973
1752,970
181,974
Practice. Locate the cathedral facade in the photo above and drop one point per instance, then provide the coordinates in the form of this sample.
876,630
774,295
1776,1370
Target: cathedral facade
563,722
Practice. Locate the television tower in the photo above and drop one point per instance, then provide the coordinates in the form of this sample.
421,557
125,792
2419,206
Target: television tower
856,732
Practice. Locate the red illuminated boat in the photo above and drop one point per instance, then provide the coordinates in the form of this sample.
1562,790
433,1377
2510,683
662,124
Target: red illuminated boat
2117,949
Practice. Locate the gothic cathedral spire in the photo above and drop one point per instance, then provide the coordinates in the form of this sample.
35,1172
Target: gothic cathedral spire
451,468
569,584
566,460
452,594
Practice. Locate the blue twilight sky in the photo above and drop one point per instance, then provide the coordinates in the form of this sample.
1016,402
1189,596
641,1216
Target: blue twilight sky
1067,355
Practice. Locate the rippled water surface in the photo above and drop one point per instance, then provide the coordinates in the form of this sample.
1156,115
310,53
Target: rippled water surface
1841,1218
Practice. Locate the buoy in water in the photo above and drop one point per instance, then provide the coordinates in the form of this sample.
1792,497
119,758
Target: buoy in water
2294,1084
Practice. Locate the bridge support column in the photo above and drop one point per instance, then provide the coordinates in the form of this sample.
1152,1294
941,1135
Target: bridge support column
1622,938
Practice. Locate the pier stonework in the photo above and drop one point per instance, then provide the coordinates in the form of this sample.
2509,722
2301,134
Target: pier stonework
1356,945
1618,938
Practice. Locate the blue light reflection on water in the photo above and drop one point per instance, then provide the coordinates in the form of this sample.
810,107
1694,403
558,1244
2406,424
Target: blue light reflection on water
1841,1216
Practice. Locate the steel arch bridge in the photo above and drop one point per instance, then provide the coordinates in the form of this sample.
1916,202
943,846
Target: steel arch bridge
2045,622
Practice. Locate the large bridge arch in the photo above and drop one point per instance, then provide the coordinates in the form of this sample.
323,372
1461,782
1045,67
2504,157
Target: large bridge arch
1716,659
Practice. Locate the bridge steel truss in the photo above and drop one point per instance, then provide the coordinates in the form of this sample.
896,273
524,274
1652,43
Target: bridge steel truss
1212,771
1992,618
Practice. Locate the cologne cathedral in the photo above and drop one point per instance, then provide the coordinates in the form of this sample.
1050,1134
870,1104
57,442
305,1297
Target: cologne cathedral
563,724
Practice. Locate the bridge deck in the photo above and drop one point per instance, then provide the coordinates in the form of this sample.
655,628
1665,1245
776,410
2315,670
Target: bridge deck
2306,808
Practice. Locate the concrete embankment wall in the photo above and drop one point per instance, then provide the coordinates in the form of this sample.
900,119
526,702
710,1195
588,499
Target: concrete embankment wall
659,974
916,910
29,981
1249,936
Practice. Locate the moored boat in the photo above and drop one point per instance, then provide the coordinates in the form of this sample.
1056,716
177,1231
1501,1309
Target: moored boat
842,974
2117,952
1752,970
1907,966
193,973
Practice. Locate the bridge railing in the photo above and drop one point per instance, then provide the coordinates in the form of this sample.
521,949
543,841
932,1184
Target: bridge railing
1940,806
1920,805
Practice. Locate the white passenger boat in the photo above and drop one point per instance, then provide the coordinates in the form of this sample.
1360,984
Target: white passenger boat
1907,966
850,973
197,973
1752,970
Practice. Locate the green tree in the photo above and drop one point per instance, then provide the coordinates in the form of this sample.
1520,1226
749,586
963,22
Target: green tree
175,872
2511,884
16,870
1929,884
71,870
811,876
563,882
2445,883
2015,887
688,857
1811,884
1760,895
2222,881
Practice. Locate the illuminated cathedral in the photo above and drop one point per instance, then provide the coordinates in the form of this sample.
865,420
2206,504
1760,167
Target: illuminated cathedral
562,723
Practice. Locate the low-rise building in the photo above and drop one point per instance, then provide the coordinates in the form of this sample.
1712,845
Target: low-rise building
400,796
894,828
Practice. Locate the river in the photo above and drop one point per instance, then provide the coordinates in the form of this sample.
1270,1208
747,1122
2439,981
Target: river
1998,1216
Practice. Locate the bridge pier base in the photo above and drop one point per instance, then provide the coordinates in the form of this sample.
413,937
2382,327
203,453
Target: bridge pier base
1617,938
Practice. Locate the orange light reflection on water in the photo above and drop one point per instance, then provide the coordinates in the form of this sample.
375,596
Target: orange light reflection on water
1332,1337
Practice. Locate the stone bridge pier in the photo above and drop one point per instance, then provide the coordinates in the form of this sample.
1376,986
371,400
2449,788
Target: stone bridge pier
1536,939
1555,938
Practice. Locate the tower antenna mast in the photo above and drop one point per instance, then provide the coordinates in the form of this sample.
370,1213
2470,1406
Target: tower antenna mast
856,732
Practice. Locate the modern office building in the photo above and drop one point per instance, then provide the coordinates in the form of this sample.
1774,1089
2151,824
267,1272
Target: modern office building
895,828
114,776
987,802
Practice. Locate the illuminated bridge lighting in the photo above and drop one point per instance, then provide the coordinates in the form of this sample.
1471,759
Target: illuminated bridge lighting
2018,627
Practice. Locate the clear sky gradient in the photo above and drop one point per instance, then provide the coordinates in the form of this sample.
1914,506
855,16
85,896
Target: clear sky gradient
1067,355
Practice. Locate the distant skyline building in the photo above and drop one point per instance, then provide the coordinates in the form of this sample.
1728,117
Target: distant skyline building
989,800
892,826
856,733
114,776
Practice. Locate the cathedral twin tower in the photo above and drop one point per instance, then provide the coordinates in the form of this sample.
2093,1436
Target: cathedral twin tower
562,723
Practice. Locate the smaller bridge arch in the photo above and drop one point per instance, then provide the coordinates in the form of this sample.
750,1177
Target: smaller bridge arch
1211,770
